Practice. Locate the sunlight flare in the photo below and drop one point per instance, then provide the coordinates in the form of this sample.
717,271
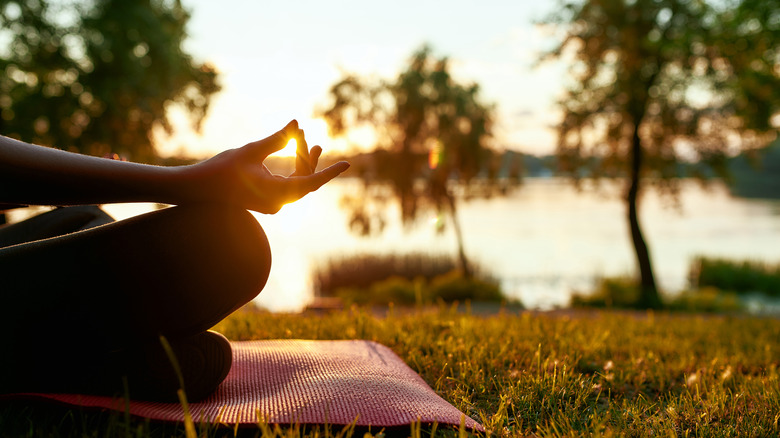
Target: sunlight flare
435,155
437,222
316,132
289,150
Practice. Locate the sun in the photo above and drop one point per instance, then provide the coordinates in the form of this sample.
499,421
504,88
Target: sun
289,150
316,133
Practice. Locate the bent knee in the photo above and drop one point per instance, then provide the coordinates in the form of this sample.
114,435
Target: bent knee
185,268
236,247
220,261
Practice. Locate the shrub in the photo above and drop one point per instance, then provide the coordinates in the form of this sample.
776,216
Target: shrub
403,279
707,299
448,288
610,292
453,286
397,290
737,276
361,271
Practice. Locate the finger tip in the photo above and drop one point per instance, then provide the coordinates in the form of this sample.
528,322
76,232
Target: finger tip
290,130
300,137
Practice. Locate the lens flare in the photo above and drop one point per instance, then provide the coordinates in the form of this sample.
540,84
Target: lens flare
437,222
435,155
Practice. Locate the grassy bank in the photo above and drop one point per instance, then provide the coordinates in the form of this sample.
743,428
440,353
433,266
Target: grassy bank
561,374
717,285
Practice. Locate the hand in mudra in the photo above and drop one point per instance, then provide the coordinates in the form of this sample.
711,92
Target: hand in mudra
239,177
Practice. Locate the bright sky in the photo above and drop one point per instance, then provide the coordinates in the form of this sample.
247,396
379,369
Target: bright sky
278,59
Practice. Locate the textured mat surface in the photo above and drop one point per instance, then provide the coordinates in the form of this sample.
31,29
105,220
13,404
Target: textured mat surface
305,382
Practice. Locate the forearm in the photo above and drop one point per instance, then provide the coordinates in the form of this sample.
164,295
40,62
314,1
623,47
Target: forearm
37,175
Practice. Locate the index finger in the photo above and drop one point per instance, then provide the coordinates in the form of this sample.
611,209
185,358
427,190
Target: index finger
302,160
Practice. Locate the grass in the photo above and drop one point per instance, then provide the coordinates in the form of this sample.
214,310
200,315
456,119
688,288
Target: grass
717,285
594,373
622,293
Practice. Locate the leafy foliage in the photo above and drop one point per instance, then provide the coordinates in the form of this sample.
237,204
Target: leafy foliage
756,173
740,276
683,74
657,82
451,287
622,293
98,77
403,279
707,299
362,270
610,293
433,141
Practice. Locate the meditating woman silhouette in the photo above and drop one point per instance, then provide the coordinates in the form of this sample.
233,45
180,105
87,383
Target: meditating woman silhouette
82,307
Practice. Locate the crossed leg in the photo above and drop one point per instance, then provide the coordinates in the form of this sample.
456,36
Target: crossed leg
77,309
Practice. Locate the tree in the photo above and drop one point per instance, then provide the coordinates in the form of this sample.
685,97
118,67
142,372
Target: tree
98,77
656,82
433,142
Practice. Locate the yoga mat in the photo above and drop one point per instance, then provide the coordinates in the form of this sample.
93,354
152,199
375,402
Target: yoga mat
304,382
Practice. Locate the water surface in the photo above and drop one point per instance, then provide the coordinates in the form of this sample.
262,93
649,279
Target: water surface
543,240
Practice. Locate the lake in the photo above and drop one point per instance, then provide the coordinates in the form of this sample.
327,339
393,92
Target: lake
543,240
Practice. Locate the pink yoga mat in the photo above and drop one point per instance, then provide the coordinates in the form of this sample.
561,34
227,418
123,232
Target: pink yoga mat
305,382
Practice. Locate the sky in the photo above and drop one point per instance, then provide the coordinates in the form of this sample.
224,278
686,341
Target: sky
278,59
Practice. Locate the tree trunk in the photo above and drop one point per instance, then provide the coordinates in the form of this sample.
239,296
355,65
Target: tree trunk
648,293
465,267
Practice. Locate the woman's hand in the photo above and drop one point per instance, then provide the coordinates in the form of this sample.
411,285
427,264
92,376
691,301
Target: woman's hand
36,175
239,177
